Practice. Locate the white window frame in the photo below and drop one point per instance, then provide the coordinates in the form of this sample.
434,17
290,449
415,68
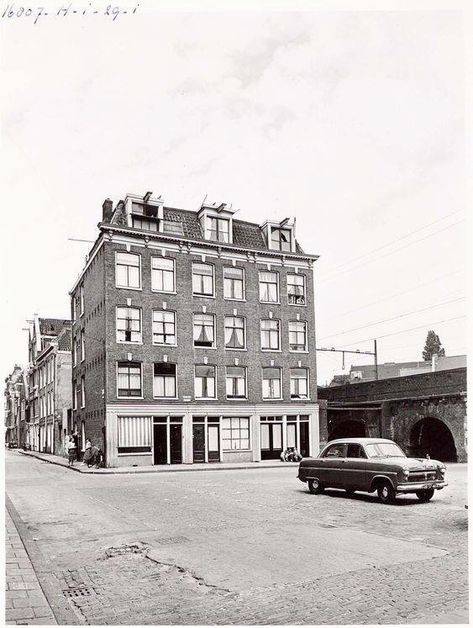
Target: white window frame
209,230
280,383
138,255
82,392
155,270
214,366
223,419
280,229
128,342
141,380
200,294
300,368
176,394
278,295
153,333
82,345
243,281
214,327
275,320
81,298
245,372
225,331
306,334
304,287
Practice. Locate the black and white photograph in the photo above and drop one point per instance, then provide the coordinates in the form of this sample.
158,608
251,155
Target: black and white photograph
235,260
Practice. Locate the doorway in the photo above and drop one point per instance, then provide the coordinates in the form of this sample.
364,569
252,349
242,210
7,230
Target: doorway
167,440
431,436
271,441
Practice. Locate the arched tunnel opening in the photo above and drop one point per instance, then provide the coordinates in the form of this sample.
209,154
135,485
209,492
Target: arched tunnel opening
348,429
431,436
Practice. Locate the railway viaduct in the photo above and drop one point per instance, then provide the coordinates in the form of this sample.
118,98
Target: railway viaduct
424,413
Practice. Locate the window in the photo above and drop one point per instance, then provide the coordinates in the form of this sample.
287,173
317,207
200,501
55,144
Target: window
271,383
164,380
127,270
82,392
270,334
128,324
235,433
218,229
82,346
354,450
281,239
203,279
129,379
81,298
299,383
204,382
336,451
234,283
297,336
204,330
296,289
73,304
149,224
236,382
173,227
164,327
134,434
234,332
162,274
268,287
75,396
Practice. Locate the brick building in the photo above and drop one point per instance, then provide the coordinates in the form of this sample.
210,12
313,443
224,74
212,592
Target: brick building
193,337
15,406
49,389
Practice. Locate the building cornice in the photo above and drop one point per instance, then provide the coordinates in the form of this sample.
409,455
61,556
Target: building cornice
180,240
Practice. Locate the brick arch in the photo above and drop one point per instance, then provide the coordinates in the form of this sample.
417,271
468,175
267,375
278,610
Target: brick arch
432,436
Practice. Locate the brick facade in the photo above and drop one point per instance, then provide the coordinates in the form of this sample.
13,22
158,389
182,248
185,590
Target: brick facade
98,325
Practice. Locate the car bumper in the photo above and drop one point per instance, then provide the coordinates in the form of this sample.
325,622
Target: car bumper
411,487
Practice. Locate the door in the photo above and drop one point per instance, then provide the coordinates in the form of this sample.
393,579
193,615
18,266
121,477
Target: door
214,443
354,471
160,443
176,443
271,441
198,443
304,439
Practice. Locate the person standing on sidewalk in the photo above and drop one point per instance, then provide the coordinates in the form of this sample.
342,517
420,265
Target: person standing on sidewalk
71,450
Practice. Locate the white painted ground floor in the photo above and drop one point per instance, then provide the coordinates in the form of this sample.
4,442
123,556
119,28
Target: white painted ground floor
142,435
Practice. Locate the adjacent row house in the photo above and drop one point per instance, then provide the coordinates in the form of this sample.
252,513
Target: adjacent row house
16,391
193,337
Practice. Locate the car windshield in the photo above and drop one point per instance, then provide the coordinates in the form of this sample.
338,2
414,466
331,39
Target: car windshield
384,450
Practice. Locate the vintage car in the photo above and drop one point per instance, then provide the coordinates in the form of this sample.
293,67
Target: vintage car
372,464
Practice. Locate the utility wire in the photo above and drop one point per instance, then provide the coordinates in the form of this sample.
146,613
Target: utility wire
379,248
402,331
385,320
398,294
374,259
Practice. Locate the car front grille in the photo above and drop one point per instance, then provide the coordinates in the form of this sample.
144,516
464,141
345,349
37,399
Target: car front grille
422,476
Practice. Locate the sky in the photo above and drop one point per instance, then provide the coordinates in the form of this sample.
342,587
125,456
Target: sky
352,121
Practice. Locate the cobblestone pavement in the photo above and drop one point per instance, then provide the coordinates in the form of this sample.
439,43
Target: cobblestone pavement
239,547
24,600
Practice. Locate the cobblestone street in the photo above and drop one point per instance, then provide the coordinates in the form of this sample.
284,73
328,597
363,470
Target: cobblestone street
237,547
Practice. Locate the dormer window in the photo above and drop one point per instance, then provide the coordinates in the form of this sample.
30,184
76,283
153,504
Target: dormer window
281,239
218,229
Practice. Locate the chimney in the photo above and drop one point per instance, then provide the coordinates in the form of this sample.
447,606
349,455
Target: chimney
107,210
434,362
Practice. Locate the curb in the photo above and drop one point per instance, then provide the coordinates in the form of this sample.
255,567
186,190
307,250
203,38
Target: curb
176,468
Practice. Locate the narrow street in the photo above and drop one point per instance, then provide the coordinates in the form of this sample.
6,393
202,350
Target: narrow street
237,547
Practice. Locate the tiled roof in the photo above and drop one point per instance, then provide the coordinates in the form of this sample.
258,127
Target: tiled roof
64,341
52,326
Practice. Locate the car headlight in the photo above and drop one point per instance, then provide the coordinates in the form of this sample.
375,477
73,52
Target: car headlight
442,468
405,470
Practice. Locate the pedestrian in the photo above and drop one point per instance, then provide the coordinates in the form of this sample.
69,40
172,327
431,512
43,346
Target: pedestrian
87,452
71,450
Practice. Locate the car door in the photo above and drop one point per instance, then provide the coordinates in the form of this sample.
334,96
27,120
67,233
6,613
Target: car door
332,463
354,467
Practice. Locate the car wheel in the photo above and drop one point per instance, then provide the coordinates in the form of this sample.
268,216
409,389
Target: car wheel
386,493
425,496
315,487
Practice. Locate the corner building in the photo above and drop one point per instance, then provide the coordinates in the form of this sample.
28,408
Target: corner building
194,337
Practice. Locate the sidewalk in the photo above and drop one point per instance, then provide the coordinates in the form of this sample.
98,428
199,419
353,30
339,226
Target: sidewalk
162,468
25,602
